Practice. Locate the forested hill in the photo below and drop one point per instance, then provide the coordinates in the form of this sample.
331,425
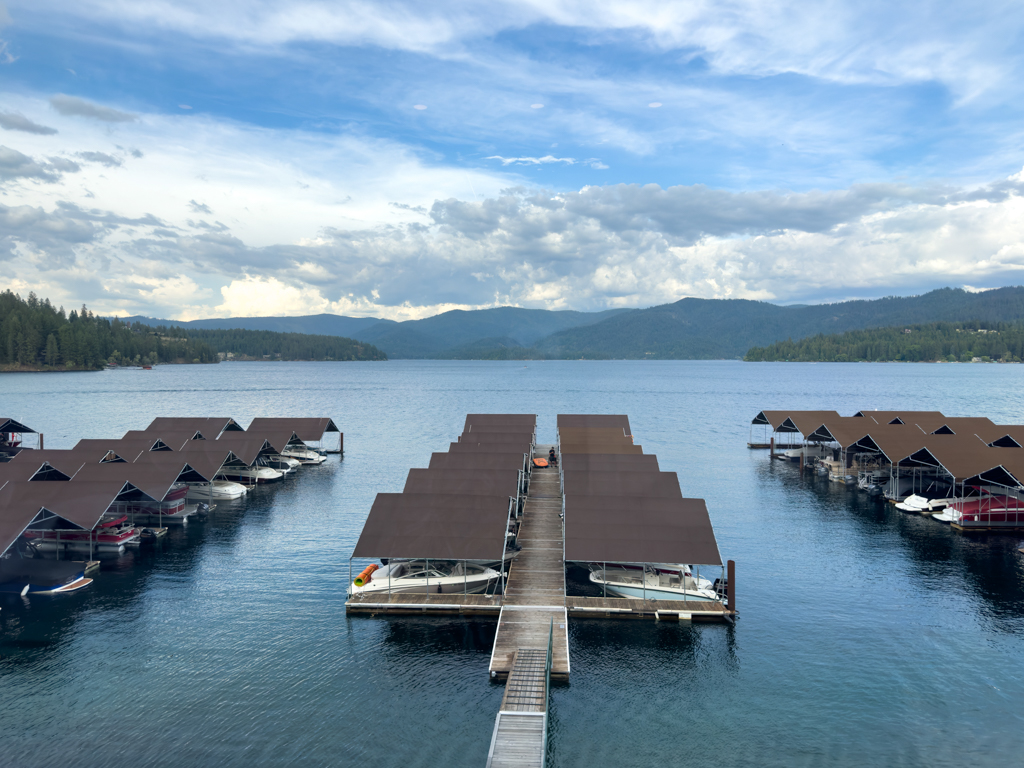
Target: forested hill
933,342
727,328
36,336
267,345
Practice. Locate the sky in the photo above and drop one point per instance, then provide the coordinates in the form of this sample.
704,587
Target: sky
185,159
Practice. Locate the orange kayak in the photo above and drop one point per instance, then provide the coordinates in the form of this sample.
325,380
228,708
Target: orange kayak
540,462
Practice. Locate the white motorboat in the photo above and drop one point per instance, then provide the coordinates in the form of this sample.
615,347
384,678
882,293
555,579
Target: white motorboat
303,455
249,475
987,511
814,451
424,577
222,490
653,582
280,463
923,505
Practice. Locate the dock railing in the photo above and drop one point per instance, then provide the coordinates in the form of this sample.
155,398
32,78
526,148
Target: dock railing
547,689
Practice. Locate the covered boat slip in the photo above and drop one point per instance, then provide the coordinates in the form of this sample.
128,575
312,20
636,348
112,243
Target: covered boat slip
12,438
516,461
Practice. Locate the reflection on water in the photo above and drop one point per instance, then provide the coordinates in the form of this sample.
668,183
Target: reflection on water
867,635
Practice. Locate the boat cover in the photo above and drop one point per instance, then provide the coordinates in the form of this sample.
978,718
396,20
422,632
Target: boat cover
594,420
445,527
627,483
610,462
473,482
308,429
639,530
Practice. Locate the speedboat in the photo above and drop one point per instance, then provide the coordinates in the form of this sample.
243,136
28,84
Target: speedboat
222,489
112,534
988,511
923,505
658,582
303,454
281,463
33,577
424,577
249,475
174,509
815,451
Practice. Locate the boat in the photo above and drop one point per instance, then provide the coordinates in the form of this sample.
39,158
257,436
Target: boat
987,511
815,451
249,475
24,576
281,463
111,535
303,454
222,489
659,582
424,577
923,505
174,509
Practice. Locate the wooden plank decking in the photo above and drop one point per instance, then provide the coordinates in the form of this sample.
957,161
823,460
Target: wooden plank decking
518,740
535,589
664,610
430,604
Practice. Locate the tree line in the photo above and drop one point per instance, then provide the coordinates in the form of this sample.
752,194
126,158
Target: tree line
931,342
36,336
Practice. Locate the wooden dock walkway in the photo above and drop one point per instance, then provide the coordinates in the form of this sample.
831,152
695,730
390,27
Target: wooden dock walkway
535,589
433,605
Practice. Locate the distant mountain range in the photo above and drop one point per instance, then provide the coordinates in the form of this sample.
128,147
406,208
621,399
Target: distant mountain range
686,329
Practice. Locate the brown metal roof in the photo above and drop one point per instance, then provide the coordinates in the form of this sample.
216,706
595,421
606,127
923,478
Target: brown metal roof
16,512
518,446
596,447
13,425
594,420
247,447
847,430
591,434
777,420
204,457
474,461
609,462
963,425
66,462
82,503
961,456
498,429
519,419
155,479
471,482
173,440
662,485
887,417
308,429
497,437
639,530
211,427
448,527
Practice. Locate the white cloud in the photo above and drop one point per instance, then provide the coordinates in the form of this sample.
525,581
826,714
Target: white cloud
970,47
533,160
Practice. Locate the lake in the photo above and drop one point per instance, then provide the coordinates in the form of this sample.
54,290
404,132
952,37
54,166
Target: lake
867,636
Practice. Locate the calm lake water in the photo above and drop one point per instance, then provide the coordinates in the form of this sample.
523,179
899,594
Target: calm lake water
867,637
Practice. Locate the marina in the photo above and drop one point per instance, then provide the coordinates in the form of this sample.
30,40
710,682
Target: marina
860,614
967,472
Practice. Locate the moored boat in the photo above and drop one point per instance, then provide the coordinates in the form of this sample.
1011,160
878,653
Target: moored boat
652,582
988,511
29,576
222,490
111,535
424,577
303,454
249,475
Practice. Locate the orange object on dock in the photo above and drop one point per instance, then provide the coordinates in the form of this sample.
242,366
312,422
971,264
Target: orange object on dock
367,574
540,462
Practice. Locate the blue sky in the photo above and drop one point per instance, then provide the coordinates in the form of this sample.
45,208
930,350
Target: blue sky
398,159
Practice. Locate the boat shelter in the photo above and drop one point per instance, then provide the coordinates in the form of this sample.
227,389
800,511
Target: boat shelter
211,427
306,430
12,437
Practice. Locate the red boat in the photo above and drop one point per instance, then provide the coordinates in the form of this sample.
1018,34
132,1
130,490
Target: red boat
988,511
111,535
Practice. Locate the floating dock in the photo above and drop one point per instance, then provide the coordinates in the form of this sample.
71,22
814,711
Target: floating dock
535,590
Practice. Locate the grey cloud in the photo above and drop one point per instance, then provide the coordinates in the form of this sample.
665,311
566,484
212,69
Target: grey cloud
15,165
407,207
100,157
136,153
199,207
12,121
72,106
215,227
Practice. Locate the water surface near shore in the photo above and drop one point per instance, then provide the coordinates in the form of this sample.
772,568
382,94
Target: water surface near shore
867,635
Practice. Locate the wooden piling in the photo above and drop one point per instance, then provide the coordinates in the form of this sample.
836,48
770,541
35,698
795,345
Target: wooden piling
730,585
771,449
